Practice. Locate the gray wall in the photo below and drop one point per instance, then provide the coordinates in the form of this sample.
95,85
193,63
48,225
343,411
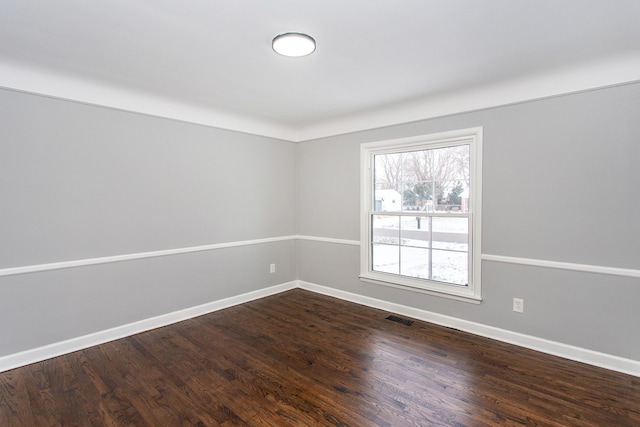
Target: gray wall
80,181
561,183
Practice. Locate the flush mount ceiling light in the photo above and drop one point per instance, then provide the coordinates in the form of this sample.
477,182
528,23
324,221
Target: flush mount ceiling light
293,44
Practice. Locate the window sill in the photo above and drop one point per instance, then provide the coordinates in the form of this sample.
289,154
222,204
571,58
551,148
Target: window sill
472,299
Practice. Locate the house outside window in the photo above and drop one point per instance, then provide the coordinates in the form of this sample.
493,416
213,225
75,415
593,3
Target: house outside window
421,213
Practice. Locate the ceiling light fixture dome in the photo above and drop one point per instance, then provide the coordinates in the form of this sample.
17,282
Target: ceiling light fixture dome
293,44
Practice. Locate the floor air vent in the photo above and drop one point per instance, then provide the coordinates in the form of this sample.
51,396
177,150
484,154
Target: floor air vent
400,320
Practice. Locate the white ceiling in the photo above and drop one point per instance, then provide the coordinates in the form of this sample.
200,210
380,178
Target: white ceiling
378,62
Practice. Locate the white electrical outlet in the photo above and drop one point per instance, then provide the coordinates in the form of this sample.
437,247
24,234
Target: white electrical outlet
272,268
518,305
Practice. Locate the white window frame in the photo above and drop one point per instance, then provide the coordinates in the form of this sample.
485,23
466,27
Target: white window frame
471,136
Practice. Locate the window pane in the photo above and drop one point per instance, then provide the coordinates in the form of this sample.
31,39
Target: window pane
415,262
388,182
386,258
385,229
436,179
414,231
417,195
450,267
388,200
411,197
386,238
451,233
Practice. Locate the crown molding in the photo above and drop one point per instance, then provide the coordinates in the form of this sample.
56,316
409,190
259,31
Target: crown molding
22,78
605,72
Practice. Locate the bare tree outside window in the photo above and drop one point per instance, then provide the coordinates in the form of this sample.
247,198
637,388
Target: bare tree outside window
425,178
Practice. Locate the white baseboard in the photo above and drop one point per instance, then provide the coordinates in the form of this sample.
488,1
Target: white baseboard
64,347
615,363
603,360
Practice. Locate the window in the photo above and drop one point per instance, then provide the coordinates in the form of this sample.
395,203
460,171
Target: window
421,213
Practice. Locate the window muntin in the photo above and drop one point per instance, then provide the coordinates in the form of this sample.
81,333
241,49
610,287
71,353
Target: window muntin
421,205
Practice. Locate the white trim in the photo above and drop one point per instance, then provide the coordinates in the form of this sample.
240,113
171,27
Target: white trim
74,344
449,295
21,78
616,363
603,360
128,257
330,240
586,268
10,271
600,73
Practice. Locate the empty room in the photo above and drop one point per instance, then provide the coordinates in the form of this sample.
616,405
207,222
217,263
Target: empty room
296,213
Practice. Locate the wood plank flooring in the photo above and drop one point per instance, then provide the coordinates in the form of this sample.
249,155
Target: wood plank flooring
303,359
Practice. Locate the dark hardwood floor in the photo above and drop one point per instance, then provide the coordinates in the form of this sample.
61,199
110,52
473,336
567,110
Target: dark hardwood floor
303,359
